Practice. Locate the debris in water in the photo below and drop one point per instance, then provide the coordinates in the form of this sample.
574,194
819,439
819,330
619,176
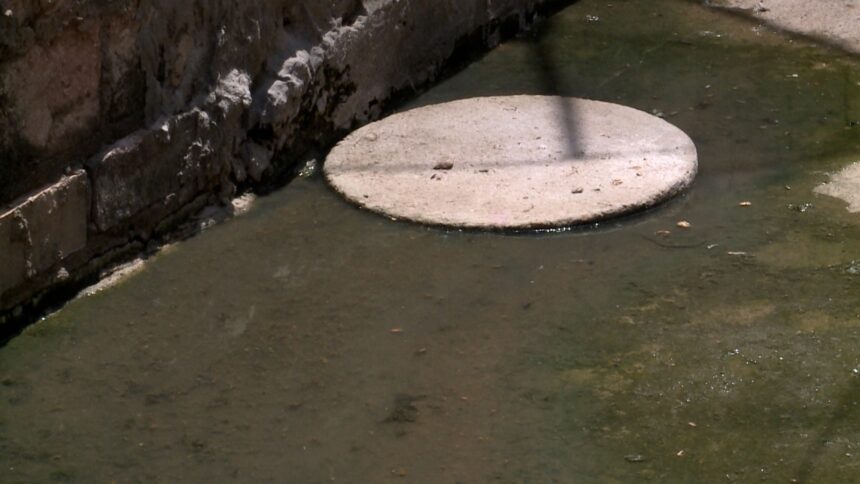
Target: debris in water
745,204
803,207
395,331
443,165
634,458
404,410
737,253
684,224
853,268
592,18
309,169
242,204
663,233
680,453
691,424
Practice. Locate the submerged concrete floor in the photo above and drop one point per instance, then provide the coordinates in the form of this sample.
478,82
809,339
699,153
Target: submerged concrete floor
844,185
836,22
308,341
513,162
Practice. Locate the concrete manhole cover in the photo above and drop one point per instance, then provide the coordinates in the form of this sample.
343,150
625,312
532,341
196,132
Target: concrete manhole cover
516,162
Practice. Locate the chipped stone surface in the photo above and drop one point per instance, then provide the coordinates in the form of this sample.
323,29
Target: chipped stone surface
515,162
844,185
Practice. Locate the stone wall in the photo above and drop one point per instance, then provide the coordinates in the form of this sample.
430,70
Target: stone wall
118,118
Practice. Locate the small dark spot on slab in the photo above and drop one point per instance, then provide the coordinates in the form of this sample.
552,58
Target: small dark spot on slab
443,165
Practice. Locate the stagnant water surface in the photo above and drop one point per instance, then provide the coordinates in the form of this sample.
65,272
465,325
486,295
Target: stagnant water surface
312,342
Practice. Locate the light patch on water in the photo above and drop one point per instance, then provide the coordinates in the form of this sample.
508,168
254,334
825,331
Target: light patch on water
813,321
745,314
806,251
604,383
235,327
116,276
282,273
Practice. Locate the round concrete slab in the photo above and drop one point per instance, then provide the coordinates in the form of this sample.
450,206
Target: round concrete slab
515,162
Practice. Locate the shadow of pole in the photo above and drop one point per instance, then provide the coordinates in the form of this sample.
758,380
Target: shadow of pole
551,81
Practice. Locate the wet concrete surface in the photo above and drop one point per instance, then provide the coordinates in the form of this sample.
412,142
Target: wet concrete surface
308,341
834,22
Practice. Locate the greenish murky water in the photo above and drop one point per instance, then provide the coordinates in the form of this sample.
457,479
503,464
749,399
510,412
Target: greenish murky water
312,342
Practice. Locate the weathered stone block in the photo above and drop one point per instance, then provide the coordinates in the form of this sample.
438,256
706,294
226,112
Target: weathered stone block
57,218
164,166
43,229
13,252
